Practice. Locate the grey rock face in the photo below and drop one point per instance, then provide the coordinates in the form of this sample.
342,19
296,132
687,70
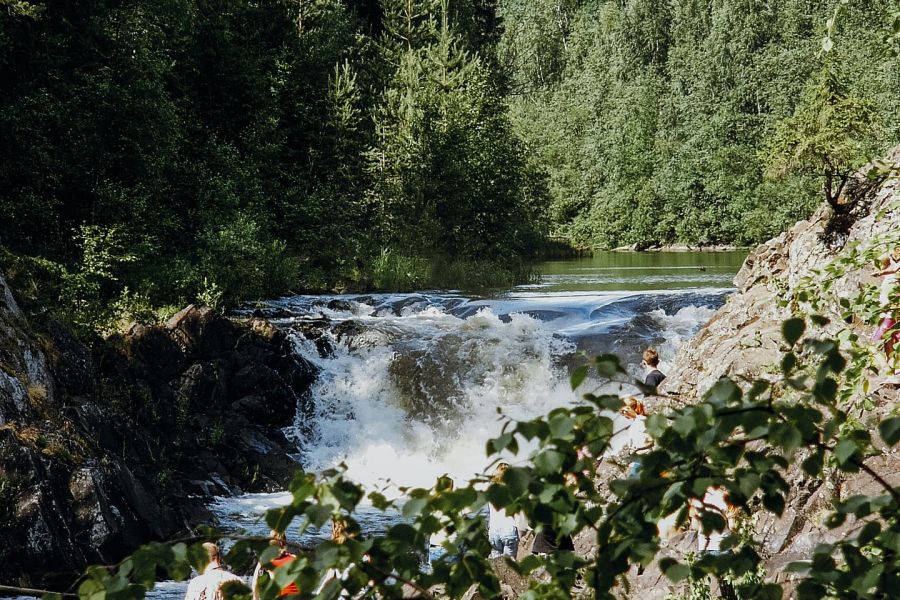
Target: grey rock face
743,339
104,448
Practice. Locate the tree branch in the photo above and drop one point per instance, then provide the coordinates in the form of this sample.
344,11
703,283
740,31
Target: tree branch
878,478
33,592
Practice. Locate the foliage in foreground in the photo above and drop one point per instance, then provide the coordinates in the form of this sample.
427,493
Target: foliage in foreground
758,440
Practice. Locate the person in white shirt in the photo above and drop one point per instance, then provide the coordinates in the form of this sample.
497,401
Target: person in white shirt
715,500
208,585
502,531
637,440
340,534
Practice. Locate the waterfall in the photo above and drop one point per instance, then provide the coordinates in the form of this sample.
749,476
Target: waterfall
413,385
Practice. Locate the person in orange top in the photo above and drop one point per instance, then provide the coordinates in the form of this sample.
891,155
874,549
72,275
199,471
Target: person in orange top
278,539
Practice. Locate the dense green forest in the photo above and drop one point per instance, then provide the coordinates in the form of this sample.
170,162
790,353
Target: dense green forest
653,120
164,151
233,150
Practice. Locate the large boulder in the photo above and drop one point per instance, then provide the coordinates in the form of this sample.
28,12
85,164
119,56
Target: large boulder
743,340
107,445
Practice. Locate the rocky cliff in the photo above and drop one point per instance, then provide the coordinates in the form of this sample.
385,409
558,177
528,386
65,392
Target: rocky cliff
743,341
105,447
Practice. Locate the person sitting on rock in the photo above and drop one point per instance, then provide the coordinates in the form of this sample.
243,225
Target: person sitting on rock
637,441
502,531
208,585
650,363
714,500
340,534
276,539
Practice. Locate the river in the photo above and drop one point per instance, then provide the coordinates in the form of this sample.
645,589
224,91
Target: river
411,385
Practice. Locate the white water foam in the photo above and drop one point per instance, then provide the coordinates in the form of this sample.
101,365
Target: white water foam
413,390
678,328
424,397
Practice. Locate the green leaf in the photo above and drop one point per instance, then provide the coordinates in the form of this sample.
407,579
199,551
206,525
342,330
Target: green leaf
774,503
608,365
529,564
684,424
677,572
844,450
748,483
561,424
379,501
814,463
530,429
414,507
788,363
792,330
820,320
498,444
279,518
656,425
318,515
800,566
868,533
549,462
517,480
787,436
724,391
578,376
890,430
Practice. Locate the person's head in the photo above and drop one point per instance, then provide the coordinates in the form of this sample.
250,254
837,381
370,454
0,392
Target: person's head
215,555
340,533
888,257
277,538
651,358
633,407
499,471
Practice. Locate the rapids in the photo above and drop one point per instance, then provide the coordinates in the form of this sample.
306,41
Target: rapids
412,385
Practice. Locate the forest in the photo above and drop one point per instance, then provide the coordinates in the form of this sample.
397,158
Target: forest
163,152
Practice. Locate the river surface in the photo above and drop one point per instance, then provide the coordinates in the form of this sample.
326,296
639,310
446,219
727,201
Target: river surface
412,385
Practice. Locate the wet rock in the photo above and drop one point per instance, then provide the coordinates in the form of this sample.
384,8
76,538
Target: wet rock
202,331
355,335
201,384
341,305
71,361
315,330
156,349
275,403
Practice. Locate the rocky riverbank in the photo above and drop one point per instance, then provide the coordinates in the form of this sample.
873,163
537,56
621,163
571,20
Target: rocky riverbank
107,446
743,341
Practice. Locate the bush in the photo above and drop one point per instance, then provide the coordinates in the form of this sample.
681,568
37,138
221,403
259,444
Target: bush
240,262
397,272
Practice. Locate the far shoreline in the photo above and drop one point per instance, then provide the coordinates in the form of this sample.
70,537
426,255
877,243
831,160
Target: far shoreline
681,248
